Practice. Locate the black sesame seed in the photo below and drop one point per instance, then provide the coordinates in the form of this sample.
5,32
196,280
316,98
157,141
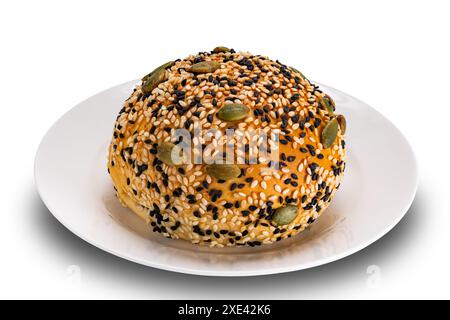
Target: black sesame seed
141,169
313,166
175,227
228,205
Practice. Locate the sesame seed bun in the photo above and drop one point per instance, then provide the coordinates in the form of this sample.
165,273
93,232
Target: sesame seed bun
185,201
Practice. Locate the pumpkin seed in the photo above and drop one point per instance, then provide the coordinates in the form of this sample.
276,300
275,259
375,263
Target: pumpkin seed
223,171
170,154
164,66
296,70
342,123
154,80
233,112
331,100
285,215
221,49
329,133
328,104
205,67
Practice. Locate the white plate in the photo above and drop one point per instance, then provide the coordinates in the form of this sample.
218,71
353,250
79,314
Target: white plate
378,187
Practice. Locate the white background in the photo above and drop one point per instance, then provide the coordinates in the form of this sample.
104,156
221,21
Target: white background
393,55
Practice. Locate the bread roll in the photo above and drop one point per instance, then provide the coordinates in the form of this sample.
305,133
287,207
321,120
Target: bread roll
244,203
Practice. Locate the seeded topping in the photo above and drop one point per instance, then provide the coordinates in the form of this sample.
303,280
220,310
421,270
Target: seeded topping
327,103
233,112
342,123
284,215
170,154
329,133
205,67
223,171
163,67
253,203
221,49
153,80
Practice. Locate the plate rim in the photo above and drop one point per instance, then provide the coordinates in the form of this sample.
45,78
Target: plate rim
232,273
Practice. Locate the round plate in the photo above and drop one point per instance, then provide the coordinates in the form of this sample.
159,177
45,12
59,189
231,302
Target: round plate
378,187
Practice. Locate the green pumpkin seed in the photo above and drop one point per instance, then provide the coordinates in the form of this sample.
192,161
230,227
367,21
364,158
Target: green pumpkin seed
303,76
164,66
285,215
153,81
205,67
331,101
223,171
233,112
327,103
170,154
342,123
329,133
221,49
